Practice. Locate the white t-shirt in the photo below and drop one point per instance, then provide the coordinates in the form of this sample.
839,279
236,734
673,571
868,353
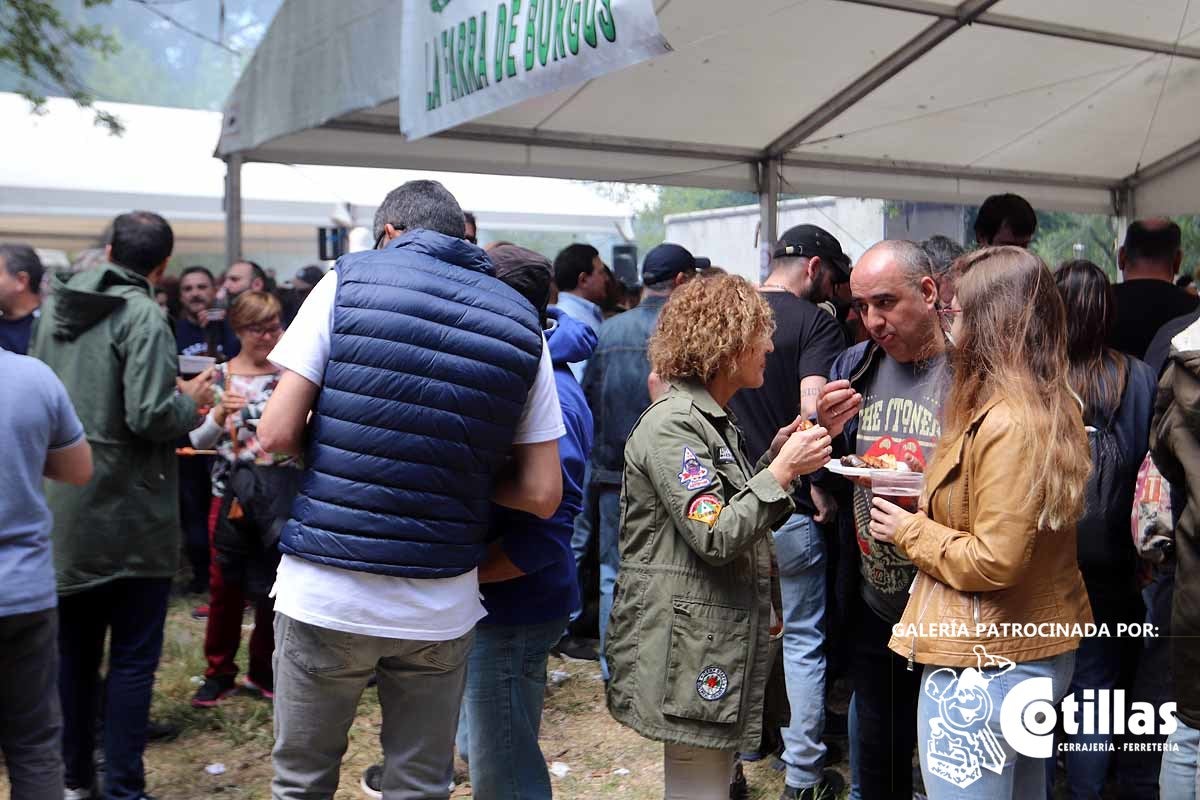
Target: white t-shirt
433,609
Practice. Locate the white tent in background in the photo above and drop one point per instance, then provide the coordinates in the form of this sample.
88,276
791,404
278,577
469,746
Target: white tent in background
65,179
1084,105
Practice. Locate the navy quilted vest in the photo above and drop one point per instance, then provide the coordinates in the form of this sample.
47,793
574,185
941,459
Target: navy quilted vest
430,362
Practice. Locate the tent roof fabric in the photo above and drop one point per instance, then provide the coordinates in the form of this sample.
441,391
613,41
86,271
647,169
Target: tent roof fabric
1087,105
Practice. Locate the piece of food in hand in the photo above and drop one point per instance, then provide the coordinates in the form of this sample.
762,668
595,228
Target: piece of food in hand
806,425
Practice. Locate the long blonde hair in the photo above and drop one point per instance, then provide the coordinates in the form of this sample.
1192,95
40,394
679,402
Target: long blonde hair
1013,345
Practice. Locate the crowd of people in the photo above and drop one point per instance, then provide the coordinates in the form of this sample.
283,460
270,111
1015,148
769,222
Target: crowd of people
405,467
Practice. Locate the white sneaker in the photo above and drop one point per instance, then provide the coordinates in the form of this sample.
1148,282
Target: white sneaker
77,794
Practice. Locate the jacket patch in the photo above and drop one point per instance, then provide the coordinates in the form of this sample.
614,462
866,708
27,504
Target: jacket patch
725,456
712,683
694,475
705,508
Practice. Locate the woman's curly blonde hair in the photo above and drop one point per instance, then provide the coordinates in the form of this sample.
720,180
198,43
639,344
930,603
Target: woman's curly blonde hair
706,325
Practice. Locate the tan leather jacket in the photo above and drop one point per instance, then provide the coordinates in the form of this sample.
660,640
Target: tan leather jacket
984,564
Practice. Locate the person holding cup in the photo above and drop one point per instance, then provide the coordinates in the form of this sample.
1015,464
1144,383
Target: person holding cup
239,569
994,538
692,608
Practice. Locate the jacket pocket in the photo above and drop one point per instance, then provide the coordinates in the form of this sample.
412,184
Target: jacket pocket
706,661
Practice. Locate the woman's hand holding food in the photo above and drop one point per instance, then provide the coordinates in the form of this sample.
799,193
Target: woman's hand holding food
804,452
230,404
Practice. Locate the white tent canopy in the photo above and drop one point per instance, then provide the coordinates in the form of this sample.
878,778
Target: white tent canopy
72,178
1081,105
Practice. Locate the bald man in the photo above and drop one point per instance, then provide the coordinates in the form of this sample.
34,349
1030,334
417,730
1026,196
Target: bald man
1148,297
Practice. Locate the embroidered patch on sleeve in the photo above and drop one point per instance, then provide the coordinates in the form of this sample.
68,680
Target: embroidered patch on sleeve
694,475
725,456
705,508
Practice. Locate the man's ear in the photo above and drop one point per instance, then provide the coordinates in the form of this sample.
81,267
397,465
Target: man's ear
813,269
929,290
24,285
156,274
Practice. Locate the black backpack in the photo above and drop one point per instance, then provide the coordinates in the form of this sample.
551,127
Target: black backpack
1103,530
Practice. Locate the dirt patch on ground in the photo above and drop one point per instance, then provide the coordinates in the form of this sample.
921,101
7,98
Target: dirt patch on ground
576,730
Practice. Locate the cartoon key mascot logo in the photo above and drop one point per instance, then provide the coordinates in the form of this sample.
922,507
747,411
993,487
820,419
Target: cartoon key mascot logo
960,743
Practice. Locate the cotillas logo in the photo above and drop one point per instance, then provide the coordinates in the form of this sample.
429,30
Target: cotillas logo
438,5
961,742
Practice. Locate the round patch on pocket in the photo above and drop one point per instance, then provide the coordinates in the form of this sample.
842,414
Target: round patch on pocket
712,683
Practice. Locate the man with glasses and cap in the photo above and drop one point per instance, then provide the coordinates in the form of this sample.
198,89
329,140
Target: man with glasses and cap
615,386
807,266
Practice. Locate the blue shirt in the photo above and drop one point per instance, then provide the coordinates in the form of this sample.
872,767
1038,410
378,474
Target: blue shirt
15,333
584,311
36,416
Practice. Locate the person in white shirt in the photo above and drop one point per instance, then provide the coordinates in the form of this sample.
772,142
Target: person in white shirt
395,354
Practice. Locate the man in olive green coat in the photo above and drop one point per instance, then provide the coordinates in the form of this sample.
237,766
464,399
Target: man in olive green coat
116,538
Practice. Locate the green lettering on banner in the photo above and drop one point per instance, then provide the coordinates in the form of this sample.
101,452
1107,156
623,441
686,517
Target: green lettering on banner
545,28
510,61
589,22
470,57
481,78
448,61
464,84
608,21
560,15
573,26
531,18
432,95
501,33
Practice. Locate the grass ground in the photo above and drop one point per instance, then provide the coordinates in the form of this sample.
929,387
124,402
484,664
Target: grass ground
576,730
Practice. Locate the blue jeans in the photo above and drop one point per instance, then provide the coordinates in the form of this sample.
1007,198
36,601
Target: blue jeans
1180,776
502,710
610,560
134,609
1020,776
800,551
1097,666
581,536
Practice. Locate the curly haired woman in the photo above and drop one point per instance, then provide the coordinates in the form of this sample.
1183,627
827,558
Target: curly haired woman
691,613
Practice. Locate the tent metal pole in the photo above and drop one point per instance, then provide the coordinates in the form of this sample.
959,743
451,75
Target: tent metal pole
769,172
233,208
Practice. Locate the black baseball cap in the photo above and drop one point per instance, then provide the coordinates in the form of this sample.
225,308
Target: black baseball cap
809,241
668,260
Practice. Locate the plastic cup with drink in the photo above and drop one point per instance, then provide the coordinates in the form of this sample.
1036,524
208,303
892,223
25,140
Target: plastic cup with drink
900,488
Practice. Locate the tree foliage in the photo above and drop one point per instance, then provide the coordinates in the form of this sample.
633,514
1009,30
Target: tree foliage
43,46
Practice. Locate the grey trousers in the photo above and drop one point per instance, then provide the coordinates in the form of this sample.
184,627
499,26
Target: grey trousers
320,675
30,716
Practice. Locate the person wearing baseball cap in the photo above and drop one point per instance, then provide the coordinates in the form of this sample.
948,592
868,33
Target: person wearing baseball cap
666,262
811,248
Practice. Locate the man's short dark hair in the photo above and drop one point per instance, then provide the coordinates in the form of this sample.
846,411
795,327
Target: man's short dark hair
469,218
141,240
421,204
258,272
1158,243
1001,208
526,271
197,268
573,261
942,252
20,258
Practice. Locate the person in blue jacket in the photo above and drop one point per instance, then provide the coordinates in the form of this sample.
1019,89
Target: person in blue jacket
528,581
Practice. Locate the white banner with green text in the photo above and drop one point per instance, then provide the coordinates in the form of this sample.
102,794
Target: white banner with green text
467,58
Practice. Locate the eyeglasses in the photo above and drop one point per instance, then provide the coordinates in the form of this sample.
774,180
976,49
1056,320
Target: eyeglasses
263,330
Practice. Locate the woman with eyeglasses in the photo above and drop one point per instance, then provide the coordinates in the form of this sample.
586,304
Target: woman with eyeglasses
242,568
995,536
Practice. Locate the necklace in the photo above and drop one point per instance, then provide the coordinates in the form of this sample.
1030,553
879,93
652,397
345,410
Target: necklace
775,286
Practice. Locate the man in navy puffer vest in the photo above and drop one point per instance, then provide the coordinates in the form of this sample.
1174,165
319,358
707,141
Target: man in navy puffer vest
432,395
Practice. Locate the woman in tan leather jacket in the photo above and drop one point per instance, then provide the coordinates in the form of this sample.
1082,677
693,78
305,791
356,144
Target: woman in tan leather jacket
999,599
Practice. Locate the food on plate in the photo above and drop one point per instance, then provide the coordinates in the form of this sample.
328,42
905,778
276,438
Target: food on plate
883,461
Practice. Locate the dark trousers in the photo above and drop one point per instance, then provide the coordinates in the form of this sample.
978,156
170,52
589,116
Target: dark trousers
195,492
223,631
30,722
885,699
132,611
